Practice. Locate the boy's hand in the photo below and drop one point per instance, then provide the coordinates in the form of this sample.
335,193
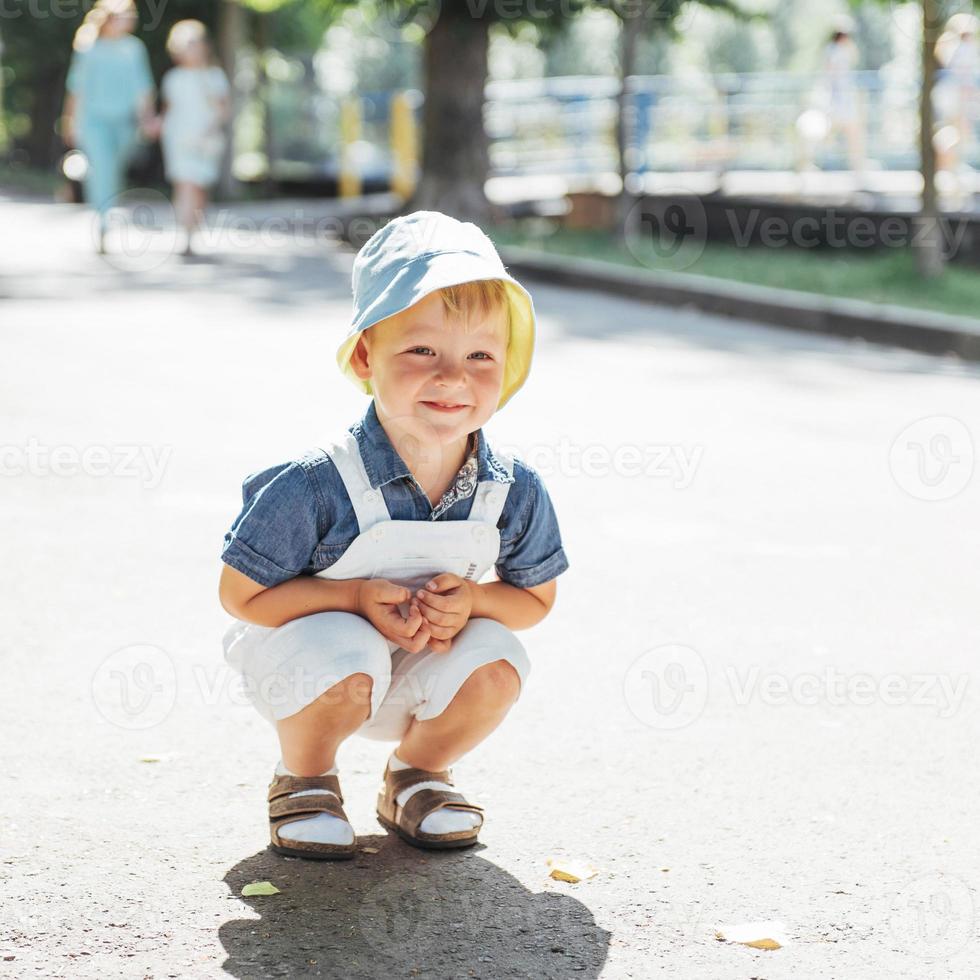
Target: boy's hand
446,606
377,602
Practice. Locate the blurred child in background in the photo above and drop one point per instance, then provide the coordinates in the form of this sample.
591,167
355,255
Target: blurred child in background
196,106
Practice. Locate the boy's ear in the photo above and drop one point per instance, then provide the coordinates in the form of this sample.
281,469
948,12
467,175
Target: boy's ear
360,359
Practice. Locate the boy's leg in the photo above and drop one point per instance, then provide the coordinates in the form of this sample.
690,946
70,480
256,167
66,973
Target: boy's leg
310,738
459,698
316,679
477,708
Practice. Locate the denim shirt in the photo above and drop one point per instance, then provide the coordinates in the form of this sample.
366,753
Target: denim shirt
297,518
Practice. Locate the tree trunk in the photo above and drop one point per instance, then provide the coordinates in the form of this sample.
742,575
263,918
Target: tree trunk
455,152
42,144
929,243
231,37
629,34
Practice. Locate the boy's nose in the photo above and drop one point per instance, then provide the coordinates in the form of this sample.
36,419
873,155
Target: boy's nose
450,375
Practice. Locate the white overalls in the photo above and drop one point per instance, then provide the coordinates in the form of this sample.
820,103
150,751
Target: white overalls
285,668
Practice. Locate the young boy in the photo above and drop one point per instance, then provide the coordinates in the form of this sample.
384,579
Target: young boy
354,572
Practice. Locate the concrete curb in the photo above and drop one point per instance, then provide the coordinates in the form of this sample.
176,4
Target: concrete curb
899,326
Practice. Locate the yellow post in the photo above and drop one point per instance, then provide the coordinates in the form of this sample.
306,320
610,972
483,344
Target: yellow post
404,151
349,181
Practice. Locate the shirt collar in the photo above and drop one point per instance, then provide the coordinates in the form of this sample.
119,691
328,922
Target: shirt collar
383,464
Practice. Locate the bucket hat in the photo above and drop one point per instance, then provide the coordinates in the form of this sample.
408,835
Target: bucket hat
414,255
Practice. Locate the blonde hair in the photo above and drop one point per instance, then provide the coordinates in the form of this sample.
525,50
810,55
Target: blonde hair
185,32
480,296
90,29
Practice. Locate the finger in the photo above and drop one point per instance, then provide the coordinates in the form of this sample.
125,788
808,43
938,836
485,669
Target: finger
442,632
439,602
436,616
403,626
419,641
447,580
389,592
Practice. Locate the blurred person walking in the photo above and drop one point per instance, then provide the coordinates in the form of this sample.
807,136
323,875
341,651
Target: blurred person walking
840,59
109,101
956,90
196,107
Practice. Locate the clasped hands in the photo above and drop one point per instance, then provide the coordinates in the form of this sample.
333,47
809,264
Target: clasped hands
437,612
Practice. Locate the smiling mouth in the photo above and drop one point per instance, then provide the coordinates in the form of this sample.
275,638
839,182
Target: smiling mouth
444,406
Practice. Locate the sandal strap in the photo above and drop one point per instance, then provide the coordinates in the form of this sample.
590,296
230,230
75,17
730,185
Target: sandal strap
398,779
292,806
284,785
426,801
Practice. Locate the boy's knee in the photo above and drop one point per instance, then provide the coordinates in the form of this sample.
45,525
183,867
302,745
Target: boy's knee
352,691
497,682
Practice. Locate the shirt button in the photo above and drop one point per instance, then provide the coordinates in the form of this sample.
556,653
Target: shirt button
377,532
493,497
370,496
479,532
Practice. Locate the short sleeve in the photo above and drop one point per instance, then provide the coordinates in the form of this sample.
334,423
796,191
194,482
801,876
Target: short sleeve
75,81
274,537
537,555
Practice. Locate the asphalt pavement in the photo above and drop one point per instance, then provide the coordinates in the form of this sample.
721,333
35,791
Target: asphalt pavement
754,701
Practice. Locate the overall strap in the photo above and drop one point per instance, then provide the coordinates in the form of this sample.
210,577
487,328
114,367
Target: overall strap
491,495
369,504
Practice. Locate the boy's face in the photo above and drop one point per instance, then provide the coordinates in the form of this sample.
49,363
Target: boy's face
420,358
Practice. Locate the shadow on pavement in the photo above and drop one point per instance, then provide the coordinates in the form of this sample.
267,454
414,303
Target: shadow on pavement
404,913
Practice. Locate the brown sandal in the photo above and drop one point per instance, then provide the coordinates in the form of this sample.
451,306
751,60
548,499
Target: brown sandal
405,820
283,809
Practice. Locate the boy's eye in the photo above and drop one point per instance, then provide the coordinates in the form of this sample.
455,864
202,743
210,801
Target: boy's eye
481,354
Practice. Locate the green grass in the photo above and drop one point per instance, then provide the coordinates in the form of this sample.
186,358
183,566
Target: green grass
29,180
888,276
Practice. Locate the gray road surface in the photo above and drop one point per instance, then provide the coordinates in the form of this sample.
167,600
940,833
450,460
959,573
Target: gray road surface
755,698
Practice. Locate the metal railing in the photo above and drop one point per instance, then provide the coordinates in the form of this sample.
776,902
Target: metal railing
566,126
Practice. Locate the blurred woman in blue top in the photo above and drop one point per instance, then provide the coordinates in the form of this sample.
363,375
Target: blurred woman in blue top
110,96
